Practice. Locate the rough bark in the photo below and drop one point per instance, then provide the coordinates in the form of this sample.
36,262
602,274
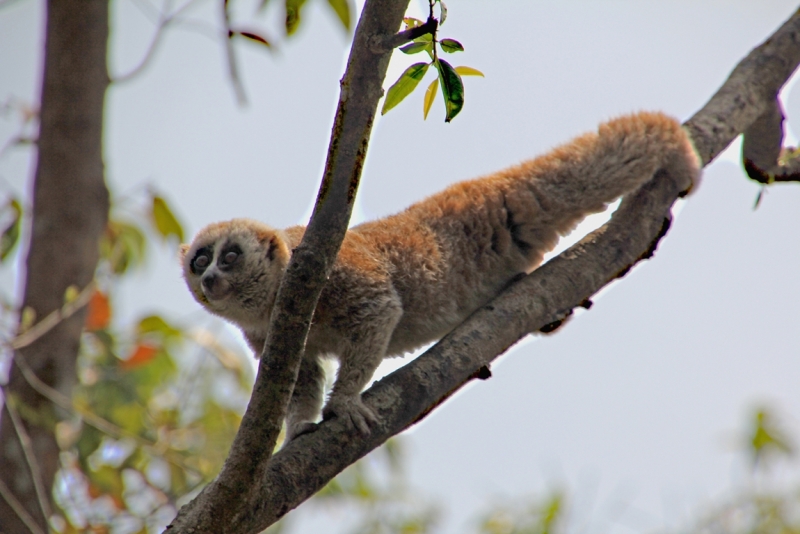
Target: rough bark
272,487
70,210
232,503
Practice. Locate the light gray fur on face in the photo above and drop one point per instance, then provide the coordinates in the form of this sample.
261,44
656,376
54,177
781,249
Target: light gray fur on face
233,269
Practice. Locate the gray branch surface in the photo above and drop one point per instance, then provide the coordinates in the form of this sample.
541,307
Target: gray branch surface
261,489
70,212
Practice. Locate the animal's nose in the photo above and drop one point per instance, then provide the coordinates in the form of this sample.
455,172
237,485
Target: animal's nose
209,281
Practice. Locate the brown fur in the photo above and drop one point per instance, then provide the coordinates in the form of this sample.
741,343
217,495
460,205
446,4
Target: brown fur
408,279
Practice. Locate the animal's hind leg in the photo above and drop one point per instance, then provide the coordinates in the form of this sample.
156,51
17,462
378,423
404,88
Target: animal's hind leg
304,407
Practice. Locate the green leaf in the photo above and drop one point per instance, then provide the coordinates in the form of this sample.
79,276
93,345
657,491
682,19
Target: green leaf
452,89
155,324
165,220
27,318
404,85
442,12
293,8
468,71
767,436
123,245
10,234
71,293
253,37
451,45
342,9
415,48
411,22
430,95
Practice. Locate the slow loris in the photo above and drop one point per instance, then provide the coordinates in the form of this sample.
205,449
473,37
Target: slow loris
406,280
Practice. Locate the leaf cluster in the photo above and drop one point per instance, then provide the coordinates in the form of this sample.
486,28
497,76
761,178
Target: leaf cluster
448,77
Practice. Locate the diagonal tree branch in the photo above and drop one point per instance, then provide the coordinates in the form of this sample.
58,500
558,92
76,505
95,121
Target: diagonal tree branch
539,300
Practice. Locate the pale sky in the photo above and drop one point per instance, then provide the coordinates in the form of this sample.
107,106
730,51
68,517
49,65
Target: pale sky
633,407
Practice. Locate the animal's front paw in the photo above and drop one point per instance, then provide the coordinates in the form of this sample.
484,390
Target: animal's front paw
352,411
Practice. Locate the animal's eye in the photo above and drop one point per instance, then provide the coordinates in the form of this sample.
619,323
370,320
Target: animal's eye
201,261
231,257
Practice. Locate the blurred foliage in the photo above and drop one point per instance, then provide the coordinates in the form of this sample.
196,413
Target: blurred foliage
375,490
171,399
766,505
537,517
293,10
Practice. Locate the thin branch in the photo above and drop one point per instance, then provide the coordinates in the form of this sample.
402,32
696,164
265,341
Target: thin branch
30,458
230,55
406,36
764,157
164,20
16,506
747,93
53,318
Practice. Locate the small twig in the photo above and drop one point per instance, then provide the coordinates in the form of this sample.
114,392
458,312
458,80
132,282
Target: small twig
164,20
403,37
15,505
30,458
148,9
230,54
207,341
53,319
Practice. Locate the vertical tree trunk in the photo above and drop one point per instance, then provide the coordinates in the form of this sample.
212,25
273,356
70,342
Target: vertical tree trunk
70,212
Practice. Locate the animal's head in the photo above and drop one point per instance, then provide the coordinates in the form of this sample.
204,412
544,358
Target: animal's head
233,269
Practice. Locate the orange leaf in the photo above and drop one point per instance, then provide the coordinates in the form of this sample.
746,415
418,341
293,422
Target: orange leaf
99,312
142,354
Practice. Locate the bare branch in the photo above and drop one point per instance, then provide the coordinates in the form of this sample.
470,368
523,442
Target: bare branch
165,19
409,35
53,319
230,55
17,507
30,457
747,93
763,155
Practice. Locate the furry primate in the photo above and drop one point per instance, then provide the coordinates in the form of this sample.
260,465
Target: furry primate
406,280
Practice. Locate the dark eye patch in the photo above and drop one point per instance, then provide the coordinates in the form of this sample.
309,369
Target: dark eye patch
201,260
230,254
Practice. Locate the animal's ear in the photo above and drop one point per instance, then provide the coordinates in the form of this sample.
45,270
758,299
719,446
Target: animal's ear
272,247
264,236
183,249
